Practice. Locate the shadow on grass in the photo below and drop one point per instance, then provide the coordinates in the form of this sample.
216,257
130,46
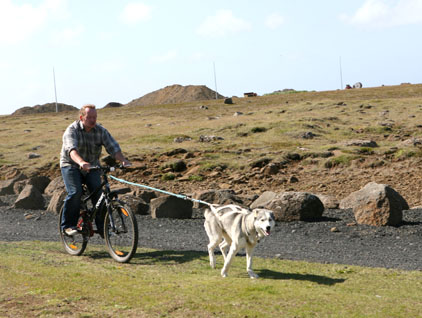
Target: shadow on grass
171,257
148,258
322,280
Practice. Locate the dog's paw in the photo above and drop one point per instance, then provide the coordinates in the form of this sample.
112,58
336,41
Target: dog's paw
223,274
252,275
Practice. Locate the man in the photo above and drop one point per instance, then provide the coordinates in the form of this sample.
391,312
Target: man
82,145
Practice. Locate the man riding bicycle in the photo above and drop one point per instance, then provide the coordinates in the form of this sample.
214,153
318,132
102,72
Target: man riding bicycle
82,145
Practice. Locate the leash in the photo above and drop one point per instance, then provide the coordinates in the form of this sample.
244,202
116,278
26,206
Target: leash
184,197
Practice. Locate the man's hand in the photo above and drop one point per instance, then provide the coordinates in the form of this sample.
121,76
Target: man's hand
126,163
84,166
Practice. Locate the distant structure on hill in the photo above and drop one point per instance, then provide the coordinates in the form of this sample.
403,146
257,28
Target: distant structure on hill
46,108
176,94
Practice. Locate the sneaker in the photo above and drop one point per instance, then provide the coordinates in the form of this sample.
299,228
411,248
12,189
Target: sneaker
70,231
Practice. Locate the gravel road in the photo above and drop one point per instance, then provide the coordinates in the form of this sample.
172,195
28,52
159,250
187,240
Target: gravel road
387,247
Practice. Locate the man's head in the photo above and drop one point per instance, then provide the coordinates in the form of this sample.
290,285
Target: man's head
88,116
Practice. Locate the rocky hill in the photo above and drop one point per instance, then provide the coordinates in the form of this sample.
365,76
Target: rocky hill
176,94
46,108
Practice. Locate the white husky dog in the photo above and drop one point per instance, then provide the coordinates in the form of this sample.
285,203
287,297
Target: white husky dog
240,228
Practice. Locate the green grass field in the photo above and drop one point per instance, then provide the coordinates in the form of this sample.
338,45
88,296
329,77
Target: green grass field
37,279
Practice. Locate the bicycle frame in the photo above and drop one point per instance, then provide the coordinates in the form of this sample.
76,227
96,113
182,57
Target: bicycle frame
104,199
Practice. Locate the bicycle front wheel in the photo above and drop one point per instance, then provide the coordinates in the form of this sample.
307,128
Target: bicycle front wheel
120,232
75,244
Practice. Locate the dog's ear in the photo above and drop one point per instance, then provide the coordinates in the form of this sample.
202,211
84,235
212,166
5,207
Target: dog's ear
255,213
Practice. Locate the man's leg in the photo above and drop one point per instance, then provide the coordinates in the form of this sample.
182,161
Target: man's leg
73,182
93,181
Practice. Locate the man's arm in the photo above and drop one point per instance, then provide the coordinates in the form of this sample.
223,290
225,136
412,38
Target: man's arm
74,155
119,156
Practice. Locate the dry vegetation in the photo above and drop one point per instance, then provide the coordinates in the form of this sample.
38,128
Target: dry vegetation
270,127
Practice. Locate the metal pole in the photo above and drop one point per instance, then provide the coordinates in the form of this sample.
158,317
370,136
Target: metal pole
55,92
215,82
341,75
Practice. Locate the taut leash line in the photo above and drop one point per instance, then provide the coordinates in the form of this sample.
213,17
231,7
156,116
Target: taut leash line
184,197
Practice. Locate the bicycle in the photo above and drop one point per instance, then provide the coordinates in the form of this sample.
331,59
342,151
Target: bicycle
120,226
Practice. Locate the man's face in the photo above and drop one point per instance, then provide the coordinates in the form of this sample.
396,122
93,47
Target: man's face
90,118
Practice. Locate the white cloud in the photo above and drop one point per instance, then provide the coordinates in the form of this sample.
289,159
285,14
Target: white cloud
18,22
68,36
222,24
384,13
274,20
168,56
135,12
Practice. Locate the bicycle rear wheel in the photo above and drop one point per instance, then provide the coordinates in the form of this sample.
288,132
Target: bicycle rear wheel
75,244
120,232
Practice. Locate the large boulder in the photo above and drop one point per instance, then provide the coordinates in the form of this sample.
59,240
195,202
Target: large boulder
216,197
263,200
136,204
30,198
6,187
376,204
328,201
56,201
171,207
295,206
55,184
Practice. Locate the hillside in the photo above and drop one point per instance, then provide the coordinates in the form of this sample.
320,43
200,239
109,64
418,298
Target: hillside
46,108
176,94
331,142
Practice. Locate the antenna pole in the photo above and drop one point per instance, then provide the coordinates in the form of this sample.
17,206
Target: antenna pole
55,92
215,82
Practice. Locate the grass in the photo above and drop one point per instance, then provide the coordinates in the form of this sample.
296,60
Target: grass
37,279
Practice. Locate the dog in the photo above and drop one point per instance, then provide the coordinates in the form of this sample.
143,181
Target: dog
240,228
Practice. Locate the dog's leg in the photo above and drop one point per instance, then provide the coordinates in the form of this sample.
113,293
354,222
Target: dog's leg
234,248
224,245
249,253
211,248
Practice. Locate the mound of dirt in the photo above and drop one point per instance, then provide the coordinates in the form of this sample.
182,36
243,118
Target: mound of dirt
46,108
176,94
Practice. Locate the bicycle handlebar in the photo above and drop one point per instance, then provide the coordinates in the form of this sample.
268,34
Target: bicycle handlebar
108,168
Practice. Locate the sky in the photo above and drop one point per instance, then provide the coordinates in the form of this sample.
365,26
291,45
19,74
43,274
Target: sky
101,51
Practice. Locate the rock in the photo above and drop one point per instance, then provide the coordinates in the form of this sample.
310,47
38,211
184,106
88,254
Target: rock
328,201
263,200
376,204
56,201
33,155
171,207
307,135
270,169
18,186
40,182
260,163
2,203
6,187
30,198
55,184
204,138
295,206
145,195
361,143
228,101
181,139
216,197
136,204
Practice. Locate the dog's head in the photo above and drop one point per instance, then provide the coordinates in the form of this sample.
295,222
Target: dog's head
264,221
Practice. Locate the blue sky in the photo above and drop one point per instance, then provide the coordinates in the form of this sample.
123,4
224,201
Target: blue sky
110,50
